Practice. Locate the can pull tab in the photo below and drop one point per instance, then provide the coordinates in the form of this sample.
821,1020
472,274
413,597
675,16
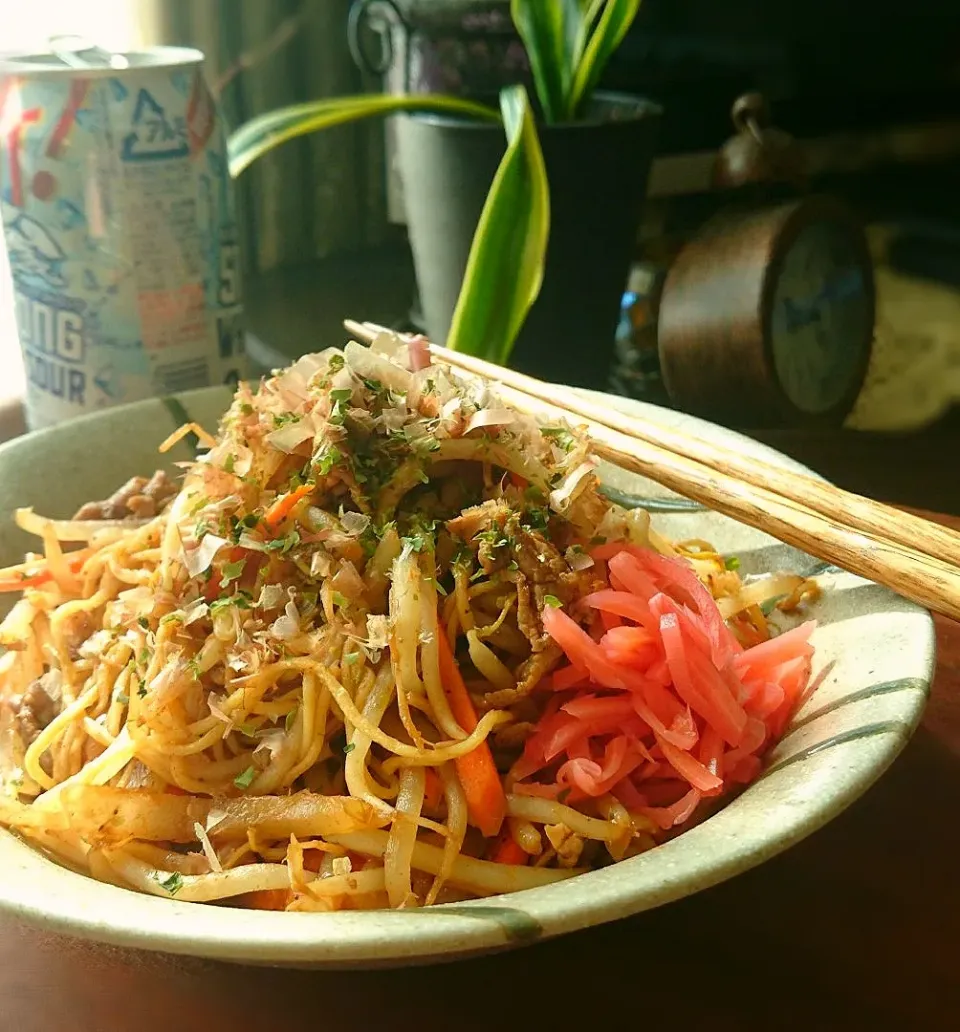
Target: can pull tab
79,52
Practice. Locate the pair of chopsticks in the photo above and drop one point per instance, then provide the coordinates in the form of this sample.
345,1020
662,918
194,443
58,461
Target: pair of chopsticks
918,559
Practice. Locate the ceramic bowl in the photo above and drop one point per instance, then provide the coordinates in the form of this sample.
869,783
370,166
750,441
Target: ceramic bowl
875,658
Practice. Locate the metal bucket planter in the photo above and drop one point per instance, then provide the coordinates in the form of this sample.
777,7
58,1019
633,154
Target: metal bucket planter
597,168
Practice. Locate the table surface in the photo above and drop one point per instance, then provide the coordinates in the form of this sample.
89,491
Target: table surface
856,927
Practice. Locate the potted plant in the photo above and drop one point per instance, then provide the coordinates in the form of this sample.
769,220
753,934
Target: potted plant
521,222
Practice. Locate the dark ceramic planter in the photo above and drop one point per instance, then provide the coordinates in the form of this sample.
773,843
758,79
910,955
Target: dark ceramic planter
597,169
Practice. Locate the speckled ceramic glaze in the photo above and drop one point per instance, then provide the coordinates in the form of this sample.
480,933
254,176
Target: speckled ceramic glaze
875,657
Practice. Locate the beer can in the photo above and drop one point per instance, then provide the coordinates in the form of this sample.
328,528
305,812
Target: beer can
120,223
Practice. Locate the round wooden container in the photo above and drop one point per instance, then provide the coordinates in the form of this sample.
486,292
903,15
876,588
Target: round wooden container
766,317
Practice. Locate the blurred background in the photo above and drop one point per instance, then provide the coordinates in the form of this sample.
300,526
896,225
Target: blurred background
873,112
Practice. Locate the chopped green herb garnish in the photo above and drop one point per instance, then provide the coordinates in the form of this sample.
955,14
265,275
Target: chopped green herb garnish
246,409
248,729
173,884
421,535
240,601
199,504
368,541
144,657
141,688
121,697
340,601
283,418
552,601
228,463
231,571
732,562
494,538
284,544
349,747
193,665
144,623
234,529
563,438
245,778
326,459
538,519
291,718
249,521
336,363
771,603
425,445
339,398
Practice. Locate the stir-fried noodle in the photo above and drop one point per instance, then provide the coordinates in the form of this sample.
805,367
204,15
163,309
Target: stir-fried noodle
386,645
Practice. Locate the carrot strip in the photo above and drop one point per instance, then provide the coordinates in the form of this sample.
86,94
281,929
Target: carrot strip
215,584
486,802
506,851
25,580
433,795
283,506
265,899
312,859
16,578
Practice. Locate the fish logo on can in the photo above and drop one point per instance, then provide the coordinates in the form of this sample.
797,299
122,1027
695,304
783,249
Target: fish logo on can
120,224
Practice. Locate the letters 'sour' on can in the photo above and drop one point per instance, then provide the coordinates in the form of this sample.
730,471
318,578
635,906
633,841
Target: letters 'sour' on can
119,219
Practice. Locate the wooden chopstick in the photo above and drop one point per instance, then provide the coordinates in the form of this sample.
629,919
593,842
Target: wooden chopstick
861,513
918,563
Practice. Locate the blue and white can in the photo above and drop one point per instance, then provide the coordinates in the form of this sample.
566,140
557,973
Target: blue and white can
120,223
